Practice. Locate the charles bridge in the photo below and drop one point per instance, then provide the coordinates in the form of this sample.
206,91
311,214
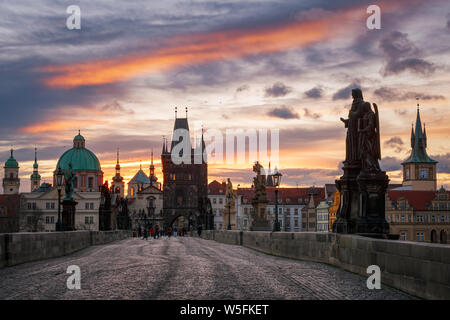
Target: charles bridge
220,265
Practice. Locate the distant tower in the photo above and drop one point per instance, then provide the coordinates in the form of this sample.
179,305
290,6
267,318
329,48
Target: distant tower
11,181
153,178
419,170
35,177
117,181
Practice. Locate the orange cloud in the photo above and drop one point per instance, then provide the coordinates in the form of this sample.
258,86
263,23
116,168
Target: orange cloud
58,125
193,49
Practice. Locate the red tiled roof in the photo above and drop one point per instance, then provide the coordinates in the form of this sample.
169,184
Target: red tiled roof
217,188
293,194
11,202
419,200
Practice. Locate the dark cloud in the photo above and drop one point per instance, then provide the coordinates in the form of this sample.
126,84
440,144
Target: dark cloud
243,88
444,162
448,21
27,101
345,92
116,107
403,55
279,89
386,93
395,143
314,93
400,112
284,112
309,114
390,164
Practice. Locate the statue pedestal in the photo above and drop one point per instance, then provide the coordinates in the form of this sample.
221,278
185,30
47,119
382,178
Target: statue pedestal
348,211
372,189
259,219
68,215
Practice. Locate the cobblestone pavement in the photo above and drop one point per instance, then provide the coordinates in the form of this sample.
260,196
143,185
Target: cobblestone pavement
184,268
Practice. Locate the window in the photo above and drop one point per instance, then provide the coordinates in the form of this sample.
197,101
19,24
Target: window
403,236
296,211
132,192
442,218
214,200
86,205
245,210
49,220
88,220
288,200
47,205
90,182
91,206
423,174
407,174
409,218
296,223
432,219
403,219
419,236
220,200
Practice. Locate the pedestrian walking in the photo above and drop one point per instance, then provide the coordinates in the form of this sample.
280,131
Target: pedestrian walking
175,231
152,232
145,234
169,231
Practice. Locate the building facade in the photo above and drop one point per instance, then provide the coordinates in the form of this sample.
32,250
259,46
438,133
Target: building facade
416,211
216,195
322,219
11,181
185,185
422,216
292,206
39,208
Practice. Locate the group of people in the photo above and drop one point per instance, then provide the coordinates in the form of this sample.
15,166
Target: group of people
156,232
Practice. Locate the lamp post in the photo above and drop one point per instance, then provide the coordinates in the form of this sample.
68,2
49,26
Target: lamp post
59,185
229,196
151,208
276,182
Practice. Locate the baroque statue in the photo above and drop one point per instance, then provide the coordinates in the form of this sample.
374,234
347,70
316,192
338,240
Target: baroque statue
69,178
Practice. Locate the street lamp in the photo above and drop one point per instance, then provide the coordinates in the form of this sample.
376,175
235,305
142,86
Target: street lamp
59,186
229,196
276,182
151,208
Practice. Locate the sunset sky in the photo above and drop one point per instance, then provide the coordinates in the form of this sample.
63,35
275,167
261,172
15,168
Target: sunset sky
287,65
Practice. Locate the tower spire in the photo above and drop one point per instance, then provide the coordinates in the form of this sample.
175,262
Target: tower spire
117,155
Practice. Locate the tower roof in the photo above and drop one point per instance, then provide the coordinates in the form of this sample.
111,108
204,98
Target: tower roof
419,144
140,177
11,162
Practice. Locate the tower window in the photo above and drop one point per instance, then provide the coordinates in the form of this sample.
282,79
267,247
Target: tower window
423,173
90,182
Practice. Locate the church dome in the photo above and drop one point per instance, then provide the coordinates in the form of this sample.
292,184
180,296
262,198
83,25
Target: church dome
11,162
81,158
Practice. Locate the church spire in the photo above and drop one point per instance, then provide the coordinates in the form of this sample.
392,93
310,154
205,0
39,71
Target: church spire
419,142
35,177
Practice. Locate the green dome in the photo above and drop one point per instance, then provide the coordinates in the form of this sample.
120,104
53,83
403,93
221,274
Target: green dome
81,159
79,137
11,162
